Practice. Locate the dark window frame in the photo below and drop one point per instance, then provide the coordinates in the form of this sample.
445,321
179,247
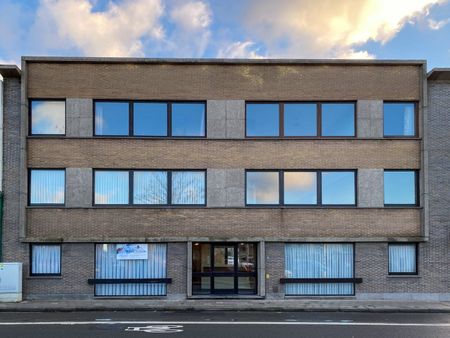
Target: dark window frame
416,188
318,104
30,117
416,272
31,274
416,120
131,118
131,188
319,203
29,188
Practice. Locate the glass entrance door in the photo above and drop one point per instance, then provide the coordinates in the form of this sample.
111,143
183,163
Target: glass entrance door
224,268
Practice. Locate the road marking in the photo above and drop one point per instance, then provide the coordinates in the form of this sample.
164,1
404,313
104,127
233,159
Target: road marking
156,328
127,322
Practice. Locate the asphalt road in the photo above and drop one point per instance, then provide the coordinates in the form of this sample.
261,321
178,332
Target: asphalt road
223,324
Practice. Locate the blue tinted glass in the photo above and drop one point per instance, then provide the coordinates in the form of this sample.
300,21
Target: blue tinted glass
399,187
300,187
111,187
399,119
150,187
262,187
300,119
263,119
338,187
150,119
47,186
48,117
338,119
188,119
111,118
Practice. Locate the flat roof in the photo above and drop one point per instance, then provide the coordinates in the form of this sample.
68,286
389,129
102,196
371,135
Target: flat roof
439,74
9,71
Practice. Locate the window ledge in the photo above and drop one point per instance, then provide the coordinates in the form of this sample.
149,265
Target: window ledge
404,276
44,277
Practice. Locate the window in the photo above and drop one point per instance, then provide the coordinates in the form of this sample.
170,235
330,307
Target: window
400,187
46,186
47,117
301,188
150,119
308,119
130,261
403,259
150,187
45,259
321,261
399,119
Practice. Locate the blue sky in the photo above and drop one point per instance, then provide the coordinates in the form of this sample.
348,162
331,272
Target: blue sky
381,29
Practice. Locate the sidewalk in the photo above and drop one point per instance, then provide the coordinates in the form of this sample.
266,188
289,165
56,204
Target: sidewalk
227,305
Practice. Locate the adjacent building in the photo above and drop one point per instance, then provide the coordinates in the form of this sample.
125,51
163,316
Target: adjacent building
202,178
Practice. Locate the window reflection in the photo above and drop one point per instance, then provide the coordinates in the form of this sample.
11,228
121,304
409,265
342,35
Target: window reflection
150,187
338,119
262,187
111,187
262,119
48,117
150,119
47,186
300,119
112,118
400,187
188,119
399,119
188,187
338,187
300,187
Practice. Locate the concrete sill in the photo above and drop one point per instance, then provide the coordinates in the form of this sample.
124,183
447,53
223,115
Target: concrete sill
225,297
43,277
404,276
320,297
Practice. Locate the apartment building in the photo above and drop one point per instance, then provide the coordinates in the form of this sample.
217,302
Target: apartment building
198,178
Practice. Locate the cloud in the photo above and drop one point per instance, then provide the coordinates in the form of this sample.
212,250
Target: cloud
117,31
48,117
263,187
299,180
436,25
329,28
239,50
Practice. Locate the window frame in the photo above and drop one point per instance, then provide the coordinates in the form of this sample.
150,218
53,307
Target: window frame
30,116
416,271
45,204
31,274
281,133
416,120
131,188
319,203
416,188
131,119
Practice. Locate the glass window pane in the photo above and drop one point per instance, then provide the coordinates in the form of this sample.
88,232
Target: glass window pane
150,119
300,187
188,119
399,119
111,187
223,283
262,187
300,119
201,257
150,187
338,119
224,258
45,259
338,187
188,187
400,187
47,186
48,117
263,119
402,258
246,257
112,118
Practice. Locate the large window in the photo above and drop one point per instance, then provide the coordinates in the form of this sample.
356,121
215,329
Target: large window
403,259
301,188
319,261
307,119
45,259
150,187
399,119
150,118
47,117
46,186
400,187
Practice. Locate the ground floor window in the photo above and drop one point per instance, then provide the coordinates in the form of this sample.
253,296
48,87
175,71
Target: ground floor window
130,261
319,261
402,259
45,259
224,268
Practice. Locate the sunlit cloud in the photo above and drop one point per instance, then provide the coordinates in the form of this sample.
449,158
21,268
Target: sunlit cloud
263,187
48,117
436,25
240,50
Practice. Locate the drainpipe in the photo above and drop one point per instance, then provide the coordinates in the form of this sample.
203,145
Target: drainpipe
1,168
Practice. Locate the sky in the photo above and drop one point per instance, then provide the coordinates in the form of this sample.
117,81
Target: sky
303,29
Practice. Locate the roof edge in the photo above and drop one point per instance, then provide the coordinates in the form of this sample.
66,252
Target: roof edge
439,74
9,71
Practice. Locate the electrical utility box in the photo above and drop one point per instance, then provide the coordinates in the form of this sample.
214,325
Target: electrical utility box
10,282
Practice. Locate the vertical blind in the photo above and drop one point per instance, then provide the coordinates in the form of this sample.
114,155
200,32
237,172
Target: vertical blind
150,187
107,266
45,259
47,186
319,261
402,258
111,187
188,187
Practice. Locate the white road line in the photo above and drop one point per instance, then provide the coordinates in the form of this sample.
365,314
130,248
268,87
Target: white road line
125,322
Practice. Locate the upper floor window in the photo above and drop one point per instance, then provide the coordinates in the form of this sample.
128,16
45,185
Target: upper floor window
400,187
47,117
399,119
297,119
46,186
153,119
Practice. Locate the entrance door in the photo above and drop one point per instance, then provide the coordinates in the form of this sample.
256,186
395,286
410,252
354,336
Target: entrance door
224,268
